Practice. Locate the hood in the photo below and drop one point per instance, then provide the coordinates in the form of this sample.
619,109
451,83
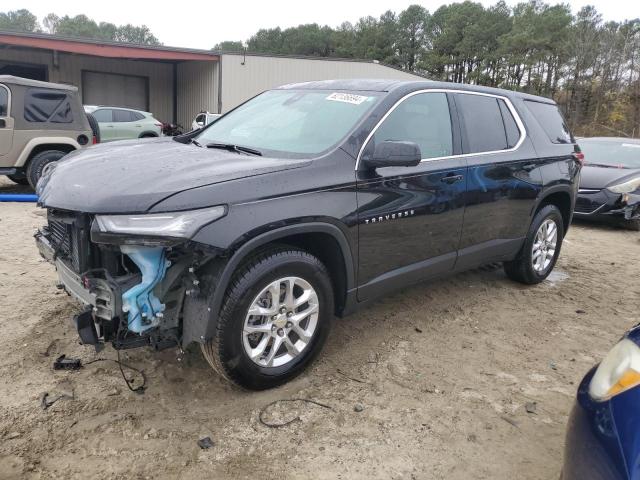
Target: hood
132,176
596,177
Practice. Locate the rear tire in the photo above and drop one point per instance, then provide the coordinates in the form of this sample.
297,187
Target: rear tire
95,127
536,259
20,180
38,162
250,359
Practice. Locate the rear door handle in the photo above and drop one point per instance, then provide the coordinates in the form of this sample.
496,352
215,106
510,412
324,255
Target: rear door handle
451,179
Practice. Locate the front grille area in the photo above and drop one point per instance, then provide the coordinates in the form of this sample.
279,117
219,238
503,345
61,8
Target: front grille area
585,205
69,238
60,237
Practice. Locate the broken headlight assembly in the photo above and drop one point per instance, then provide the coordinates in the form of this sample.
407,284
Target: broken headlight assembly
626,187
175,225
618,372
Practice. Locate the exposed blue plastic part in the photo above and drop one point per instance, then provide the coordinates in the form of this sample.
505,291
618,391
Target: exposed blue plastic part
143,308
18,197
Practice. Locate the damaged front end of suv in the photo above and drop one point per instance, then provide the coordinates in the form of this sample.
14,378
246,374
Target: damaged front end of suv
120,235
132,272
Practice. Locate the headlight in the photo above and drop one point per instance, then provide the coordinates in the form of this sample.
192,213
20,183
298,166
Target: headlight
619,371
626,187
171,224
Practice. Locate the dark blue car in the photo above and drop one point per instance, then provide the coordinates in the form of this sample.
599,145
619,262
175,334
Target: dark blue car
603,434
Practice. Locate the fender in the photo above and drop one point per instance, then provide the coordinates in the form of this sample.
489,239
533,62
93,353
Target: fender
34,142
201,326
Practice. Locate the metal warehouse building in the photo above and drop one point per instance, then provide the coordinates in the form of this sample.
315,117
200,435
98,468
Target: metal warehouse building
173,83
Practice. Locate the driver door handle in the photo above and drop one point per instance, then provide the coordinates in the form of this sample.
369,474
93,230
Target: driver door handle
449,179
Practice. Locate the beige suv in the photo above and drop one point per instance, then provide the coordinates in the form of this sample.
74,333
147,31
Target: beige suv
40,123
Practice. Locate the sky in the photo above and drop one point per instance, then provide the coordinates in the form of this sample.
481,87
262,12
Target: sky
202,24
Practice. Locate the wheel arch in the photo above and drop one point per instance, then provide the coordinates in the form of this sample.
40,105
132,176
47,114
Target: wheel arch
38,145
323,240
561,198
148,134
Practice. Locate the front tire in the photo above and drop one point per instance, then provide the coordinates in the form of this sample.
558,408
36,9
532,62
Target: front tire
38,162
541,249
274,321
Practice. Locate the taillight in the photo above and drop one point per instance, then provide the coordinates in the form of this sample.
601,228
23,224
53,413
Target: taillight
579,156
159,125
94,140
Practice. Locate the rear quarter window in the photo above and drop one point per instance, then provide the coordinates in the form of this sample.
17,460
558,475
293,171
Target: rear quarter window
551,121
42,105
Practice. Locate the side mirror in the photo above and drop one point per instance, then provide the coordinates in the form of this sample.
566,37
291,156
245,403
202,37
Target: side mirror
394,154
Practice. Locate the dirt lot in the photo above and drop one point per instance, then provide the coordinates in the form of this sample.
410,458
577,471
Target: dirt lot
443,372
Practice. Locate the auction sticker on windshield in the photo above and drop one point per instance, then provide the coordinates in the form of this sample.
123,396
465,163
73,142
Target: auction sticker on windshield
347,98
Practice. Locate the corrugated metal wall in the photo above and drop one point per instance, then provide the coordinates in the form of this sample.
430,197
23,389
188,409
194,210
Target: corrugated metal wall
70,69
197,90
259,73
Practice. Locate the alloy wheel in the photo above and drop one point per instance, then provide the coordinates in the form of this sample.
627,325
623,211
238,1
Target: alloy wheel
280,322
544,245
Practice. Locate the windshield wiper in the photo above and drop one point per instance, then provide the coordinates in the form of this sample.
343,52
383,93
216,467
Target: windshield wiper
235,148
195,142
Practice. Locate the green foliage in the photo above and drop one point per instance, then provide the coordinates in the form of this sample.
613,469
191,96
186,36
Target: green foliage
19,20
590,67
229,46
78,26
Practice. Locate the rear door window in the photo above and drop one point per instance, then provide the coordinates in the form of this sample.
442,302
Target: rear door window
104,115
481,119
4,101
43,105
123,116
137,116
551,121
423,119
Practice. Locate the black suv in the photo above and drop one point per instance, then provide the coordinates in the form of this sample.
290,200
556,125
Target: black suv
305,202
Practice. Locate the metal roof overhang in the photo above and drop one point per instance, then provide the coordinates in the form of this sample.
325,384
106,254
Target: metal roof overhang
106,49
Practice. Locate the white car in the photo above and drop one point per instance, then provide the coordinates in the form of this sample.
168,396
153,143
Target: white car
203,119
118,123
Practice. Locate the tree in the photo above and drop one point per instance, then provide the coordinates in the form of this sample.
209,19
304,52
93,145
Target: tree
229,46
131,33
50,23
83,26
412,26
20,20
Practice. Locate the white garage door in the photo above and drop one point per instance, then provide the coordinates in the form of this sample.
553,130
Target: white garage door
115,90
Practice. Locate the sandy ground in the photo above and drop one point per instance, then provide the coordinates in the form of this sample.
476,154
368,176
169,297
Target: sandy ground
443,372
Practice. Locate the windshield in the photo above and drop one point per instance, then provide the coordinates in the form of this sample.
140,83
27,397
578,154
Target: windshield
291,123
614,154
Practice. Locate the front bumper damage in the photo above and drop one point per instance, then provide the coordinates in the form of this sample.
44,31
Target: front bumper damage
604,206
132,295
